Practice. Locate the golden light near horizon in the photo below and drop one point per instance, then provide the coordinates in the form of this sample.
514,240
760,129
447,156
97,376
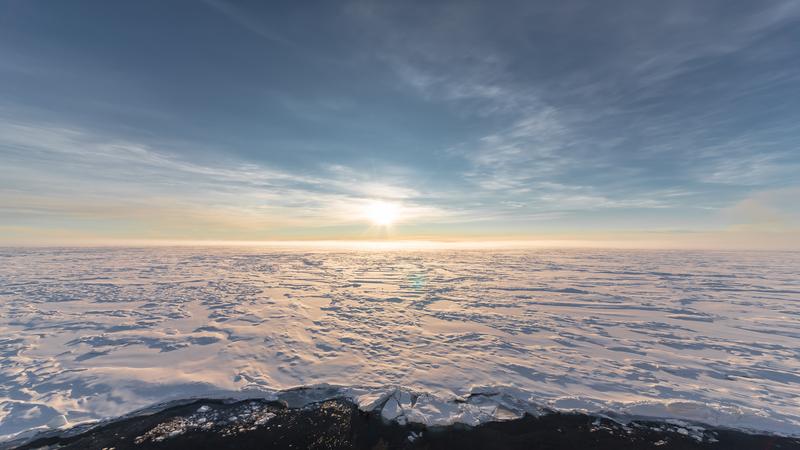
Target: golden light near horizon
382,213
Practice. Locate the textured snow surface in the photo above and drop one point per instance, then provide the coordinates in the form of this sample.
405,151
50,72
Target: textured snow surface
705,337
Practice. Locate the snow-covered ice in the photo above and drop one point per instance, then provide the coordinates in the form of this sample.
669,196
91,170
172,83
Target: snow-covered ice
468,336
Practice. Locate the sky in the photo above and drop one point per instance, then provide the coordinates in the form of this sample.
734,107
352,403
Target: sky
642,122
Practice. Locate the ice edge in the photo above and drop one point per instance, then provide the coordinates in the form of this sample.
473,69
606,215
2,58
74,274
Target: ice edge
480,405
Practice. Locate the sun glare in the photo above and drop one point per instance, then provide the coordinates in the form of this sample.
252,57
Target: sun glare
382,213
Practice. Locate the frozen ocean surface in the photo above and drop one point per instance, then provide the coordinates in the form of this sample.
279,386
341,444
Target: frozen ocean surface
709,337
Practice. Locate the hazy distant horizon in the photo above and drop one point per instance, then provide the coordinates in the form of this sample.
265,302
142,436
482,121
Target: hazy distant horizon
698,242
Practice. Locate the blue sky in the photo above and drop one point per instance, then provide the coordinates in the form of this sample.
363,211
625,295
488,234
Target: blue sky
226,120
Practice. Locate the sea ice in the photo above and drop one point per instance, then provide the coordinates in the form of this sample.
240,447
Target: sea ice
429,336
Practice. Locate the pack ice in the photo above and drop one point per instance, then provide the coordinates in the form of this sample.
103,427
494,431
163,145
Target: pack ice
430,336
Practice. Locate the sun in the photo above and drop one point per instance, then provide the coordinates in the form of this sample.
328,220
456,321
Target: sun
381,213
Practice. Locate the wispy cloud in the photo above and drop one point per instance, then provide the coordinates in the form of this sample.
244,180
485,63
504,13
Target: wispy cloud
247,21
766,210
519,117
65,171
616,114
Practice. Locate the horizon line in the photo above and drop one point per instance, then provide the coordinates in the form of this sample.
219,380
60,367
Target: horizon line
401,244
